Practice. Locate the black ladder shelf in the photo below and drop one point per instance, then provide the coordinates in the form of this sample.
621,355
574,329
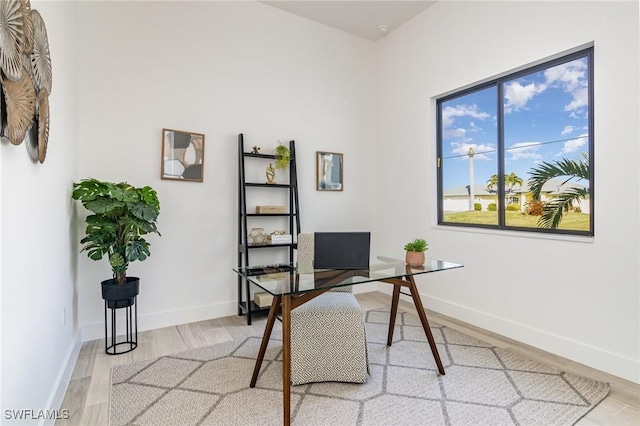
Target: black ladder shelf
245,304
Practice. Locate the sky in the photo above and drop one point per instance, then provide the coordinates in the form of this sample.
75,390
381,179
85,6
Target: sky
545,119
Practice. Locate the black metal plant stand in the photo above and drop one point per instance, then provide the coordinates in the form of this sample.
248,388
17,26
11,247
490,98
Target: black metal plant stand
131,324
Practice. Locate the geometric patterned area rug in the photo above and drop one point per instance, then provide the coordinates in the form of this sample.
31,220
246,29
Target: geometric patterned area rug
483,385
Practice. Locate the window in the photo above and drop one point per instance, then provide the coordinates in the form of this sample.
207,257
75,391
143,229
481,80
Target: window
516,153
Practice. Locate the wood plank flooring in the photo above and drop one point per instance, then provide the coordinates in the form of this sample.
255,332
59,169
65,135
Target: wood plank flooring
87,397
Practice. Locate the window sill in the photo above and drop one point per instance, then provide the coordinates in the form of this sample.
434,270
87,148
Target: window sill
517,234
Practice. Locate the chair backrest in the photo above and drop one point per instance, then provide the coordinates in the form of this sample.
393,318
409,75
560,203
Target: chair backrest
305,252
342,250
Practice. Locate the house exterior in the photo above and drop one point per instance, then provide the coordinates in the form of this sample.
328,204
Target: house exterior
457,199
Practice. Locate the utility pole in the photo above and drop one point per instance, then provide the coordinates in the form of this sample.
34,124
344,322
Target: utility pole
472,195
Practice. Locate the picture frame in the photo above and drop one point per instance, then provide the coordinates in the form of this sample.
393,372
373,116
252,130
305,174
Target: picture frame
182,156
329,171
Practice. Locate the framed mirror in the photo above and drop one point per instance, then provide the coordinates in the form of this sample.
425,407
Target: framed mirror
182,155
329,171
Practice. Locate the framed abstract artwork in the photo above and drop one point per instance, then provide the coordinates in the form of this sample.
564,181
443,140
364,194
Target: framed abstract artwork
182,155
329,172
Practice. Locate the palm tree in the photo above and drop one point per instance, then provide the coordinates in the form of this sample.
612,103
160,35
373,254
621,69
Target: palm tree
493,181
570,169
510,181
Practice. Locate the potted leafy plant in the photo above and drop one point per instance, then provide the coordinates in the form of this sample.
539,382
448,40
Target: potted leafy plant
283,156
415,252
122,214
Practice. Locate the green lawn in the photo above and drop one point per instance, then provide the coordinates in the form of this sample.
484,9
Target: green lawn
573,221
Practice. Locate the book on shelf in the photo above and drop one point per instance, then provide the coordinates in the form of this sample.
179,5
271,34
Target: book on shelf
271,277
269,209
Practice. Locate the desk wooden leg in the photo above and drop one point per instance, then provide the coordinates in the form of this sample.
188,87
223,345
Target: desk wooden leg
271,319
394,312
425,324
286,359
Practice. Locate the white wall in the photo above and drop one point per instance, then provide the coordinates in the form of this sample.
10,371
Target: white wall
576,299
38,242
218,68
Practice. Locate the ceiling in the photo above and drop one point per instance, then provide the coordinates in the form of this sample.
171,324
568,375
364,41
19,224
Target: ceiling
361,18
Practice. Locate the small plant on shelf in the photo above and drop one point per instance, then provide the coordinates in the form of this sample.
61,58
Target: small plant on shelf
283,156
415,252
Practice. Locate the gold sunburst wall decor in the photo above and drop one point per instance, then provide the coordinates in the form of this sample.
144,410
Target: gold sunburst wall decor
43,124
20,97
25,77
11,38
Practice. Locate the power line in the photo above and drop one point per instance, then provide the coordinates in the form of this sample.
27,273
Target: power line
516,147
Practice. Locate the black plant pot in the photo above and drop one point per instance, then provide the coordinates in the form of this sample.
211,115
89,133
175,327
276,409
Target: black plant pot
120,295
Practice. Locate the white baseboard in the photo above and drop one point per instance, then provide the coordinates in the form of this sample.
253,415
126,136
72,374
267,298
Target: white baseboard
64,377
95,330
365,288
580,352
583,353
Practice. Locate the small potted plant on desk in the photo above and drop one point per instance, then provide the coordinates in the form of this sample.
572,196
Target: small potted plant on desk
415,252
121,215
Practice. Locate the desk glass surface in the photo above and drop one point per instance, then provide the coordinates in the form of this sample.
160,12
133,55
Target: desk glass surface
292,278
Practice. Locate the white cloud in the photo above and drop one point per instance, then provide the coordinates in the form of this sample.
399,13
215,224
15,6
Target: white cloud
567,130
525,150
573,145
580,99
450,113
474,128
480,150
516,95
455,133
572,78
570,75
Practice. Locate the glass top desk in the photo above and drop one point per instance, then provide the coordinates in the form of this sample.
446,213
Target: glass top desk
293,285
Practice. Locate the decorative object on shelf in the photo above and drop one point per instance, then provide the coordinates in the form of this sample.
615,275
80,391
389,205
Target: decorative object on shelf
257,236
270,209
26,79
255,150
279,238
283,156
122,214
271,174
262,299
329,171
415,252
182,155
